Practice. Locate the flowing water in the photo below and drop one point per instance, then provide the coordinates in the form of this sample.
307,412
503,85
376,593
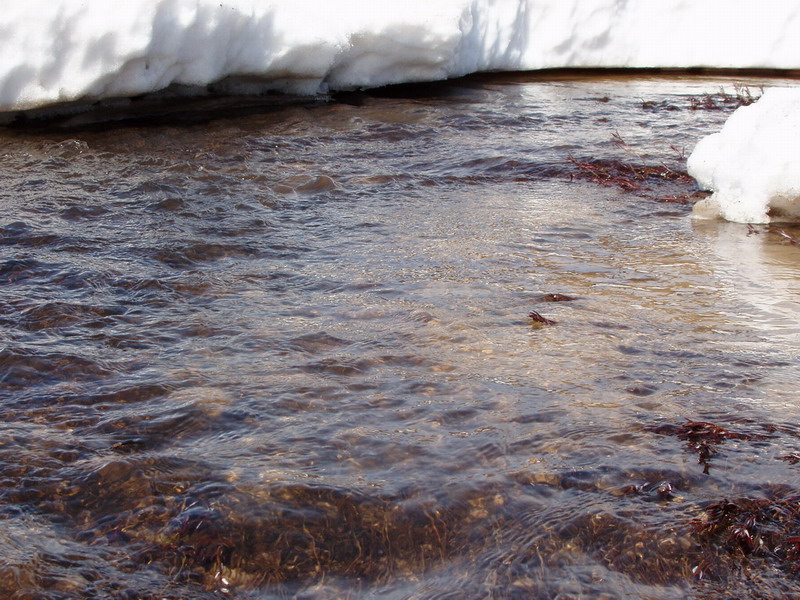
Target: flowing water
287,353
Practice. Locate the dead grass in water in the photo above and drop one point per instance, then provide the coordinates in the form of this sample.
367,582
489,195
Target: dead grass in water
740,533
720,100
634,175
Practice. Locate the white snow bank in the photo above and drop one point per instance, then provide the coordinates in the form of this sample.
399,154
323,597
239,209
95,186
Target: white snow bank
61,50
753,164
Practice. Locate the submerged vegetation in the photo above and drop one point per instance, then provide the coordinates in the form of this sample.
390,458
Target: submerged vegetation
635,174
632,173
627,176
743,529
767,528
703,438
721,100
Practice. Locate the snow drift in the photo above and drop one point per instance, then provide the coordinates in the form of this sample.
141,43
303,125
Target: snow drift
59,51
55,51
753,164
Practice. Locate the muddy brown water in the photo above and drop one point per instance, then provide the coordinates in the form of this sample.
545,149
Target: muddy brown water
287,354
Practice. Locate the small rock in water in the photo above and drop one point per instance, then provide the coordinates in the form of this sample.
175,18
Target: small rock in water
556,298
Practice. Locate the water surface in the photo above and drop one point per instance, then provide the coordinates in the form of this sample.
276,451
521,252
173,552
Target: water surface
288,354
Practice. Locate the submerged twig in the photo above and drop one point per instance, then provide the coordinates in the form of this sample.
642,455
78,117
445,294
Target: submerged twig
783,233
623,174
537,318
702,438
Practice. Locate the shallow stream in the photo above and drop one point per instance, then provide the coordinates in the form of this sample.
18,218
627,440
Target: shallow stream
288,354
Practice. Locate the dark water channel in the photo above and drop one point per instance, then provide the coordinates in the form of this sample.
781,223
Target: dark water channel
288,354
